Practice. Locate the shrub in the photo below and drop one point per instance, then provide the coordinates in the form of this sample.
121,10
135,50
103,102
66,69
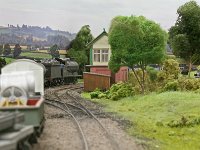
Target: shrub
189,84
116,92
184,121
171,86
119,90
170,71
95,93
152,73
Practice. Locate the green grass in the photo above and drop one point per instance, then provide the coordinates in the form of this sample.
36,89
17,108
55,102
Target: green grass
150,115
9,60
36,55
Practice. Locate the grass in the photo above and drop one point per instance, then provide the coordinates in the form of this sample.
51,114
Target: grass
9,60
152,113
36,55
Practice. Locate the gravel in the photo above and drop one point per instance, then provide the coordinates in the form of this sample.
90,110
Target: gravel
61,133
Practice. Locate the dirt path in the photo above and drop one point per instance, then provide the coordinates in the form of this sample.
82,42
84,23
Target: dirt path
60,132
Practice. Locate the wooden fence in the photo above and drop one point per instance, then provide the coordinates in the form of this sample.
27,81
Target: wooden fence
93,81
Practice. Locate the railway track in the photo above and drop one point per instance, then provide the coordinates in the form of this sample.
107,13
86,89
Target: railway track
68,100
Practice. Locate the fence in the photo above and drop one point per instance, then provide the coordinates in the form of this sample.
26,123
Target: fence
93,81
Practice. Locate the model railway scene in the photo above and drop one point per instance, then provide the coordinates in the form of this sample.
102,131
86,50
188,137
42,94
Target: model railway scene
100,75
42,92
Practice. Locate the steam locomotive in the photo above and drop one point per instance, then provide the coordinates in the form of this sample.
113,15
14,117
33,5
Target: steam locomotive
60,71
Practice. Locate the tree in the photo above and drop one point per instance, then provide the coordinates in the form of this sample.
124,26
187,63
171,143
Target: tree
80,57
7,49
185,34
54,51
78,46
17,50
136,41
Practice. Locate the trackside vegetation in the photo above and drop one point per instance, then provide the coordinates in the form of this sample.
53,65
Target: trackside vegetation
167,121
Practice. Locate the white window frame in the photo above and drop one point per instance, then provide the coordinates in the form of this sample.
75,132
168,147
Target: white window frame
97,53
104,54
101,53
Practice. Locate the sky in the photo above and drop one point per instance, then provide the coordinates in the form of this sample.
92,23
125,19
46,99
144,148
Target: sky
71,15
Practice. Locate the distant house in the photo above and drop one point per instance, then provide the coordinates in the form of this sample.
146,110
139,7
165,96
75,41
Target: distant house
100,53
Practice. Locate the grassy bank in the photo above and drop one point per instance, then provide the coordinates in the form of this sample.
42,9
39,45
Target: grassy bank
36,55
169,121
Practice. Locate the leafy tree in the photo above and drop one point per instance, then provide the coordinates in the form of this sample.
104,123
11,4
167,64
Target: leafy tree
54,51
136,41
17,50
7,49
80,57
83,37
185,34
78,48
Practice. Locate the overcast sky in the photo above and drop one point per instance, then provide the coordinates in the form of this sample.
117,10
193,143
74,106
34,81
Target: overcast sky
70,15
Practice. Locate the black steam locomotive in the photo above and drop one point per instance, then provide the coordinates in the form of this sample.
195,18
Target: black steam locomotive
60,71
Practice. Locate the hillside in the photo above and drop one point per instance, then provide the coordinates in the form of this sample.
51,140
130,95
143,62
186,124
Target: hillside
34,35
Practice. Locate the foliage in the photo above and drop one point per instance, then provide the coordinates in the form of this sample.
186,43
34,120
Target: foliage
83,37
54,51
171,86
189,84
135,40
95,93
79,56
185,34
152,73
7,49
120,90
78,47
1,49
2,63
152,113
185,121
117,91
17,50
150,80
170,71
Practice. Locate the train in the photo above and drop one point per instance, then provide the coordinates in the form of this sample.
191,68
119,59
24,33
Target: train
60,71
22,84
22,90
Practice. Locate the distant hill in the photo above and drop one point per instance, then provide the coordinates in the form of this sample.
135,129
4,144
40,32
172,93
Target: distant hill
31,35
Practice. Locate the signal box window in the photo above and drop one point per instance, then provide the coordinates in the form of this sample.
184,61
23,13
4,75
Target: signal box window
104,55
97,54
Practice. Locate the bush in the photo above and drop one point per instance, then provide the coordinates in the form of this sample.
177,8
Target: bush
152,73
120,90
170,71
95,94
116,92
189,84
171,86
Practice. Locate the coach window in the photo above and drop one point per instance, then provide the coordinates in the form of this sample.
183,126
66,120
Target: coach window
97,55
104,55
